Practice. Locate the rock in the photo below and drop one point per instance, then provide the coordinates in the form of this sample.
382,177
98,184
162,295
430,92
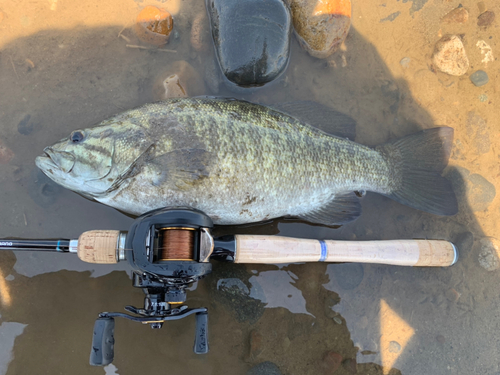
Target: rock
488,253
331,362
321,26
199,33
405,62
452,295
153,25
450,57
172,88
457,15
179,80
6,154
251,38
486,19
255,345
481,192
264,368
394,347
477,131
25,127
479,78
440,339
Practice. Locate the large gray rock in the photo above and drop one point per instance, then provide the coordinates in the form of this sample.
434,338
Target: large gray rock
251,38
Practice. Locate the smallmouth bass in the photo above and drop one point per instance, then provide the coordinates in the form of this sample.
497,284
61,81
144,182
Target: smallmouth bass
241,162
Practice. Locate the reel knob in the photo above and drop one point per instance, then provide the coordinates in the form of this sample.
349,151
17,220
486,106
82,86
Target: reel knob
103,342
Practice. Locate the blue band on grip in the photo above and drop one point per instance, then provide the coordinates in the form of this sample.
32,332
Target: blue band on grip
324,251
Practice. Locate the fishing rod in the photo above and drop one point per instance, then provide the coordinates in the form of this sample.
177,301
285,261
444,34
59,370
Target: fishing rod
170,248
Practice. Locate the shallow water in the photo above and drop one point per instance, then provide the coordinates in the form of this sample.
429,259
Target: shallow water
63,66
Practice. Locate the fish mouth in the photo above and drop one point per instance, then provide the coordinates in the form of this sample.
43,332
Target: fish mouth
55,160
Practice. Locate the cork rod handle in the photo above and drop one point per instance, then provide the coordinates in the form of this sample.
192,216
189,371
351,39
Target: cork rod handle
98,246
276,249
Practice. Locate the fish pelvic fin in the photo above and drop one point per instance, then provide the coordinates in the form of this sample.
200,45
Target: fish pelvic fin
342,209
417,161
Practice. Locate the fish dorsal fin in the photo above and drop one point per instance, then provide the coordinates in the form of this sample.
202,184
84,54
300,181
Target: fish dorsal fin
181,168
342,209
306,117
319,116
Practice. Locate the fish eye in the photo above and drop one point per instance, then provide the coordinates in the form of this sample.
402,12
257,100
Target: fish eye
76,136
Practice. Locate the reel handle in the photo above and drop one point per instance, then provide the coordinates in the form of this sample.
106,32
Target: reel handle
276,249
201,334
103,342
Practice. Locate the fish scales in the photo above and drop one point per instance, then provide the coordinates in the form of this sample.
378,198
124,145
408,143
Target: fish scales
238,162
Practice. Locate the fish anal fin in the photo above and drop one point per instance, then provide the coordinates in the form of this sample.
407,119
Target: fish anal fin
342,209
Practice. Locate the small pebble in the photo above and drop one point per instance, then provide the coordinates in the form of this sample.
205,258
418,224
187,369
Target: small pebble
264,368
479,78
153,25
483,98
457,15
488,253
394,347
450,57
405,62
331,362
486,19
452,295
10,278
180,79
25,127
6,154
440,339
255,345
337,320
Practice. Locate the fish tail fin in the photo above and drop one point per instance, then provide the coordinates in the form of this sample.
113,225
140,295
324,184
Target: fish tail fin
418,160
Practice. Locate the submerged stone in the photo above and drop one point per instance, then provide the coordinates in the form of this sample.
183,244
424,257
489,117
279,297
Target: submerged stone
450,57
153,25
321,26
479,78
251,38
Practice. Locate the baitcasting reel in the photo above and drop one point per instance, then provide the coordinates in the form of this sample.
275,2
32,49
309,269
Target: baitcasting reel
170,249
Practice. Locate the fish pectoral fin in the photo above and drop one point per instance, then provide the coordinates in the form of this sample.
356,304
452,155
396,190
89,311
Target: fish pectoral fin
342,209
182,168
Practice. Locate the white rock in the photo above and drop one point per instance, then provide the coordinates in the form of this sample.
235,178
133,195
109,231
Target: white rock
450,57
